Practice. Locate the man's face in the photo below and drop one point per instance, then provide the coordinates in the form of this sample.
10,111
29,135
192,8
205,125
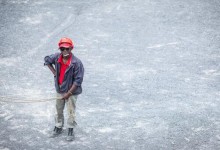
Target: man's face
65,51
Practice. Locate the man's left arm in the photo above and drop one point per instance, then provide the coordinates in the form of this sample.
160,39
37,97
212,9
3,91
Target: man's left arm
78,79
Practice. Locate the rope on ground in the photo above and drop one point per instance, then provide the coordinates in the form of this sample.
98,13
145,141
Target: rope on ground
18,100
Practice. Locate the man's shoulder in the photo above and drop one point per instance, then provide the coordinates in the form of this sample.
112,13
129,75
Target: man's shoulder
54,55
76,59
57,55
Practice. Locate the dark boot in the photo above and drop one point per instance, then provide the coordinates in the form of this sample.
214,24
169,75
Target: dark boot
56,131
70,136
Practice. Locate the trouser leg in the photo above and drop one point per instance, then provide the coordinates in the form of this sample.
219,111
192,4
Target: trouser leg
71,110
59,117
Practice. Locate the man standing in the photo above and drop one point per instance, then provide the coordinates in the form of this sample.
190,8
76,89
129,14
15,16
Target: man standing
68,74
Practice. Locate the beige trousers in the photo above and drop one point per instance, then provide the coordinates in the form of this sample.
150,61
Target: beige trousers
71,108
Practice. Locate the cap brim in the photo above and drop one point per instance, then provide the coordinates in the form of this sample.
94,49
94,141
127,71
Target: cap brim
66,45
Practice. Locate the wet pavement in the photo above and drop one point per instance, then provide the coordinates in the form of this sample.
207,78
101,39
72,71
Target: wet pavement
151,81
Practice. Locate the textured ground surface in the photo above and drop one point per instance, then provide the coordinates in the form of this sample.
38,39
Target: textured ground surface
152,73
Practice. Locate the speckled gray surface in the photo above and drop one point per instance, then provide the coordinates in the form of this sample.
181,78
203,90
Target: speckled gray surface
151,81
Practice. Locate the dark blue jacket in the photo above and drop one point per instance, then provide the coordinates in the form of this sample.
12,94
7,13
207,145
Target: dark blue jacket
73,75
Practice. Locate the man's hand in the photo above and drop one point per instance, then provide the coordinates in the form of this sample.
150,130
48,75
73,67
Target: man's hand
66,96
70,92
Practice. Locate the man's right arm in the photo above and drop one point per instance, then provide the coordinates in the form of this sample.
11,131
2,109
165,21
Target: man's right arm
50,60
52,69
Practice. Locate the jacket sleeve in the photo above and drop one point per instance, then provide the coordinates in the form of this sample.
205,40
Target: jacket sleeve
78,74
49,60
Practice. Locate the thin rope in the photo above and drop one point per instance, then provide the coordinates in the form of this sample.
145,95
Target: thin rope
17,100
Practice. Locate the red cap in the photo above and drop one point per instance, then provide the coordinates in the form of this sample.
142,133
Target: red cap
66,45
65,42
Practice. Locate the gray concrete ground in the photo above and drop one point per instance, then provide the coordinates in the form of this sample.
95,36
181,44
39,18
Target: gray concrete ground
152,73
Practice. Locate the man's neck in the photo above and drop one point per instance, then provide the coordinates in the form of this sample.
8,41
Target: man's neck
66,57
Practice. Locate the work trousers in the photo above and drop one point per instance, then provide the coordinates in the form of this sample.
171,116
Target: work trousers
71,108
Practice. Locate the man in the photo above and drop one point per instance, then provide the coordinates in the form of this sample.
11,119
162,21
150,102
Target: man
68,74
